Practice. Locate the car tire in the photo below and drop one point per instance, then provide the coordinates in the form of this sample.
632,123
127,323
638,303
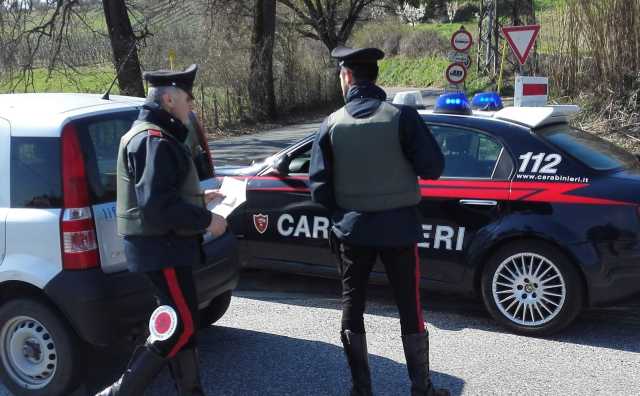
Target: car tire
39,353
532,288
215,310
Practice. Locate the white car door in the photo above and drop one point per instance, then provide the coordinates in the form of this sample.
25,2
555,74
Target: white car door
4,182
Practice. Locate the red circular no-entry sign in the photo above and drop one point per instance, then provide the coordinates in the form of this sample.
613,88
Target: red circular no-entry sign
461,40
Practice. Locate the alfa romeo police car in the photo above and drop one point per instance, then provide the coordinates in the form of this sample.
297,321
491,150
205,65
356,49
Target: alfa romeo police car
537,217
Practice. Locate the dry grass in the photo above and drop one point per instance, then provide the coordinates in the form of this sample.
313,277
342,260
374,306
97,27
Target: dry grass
593,60
612,120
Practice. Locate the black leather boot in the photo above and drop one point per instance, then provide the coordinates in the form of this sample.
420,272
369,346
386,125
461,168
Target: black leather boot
355,347
185,370
141,370
416,351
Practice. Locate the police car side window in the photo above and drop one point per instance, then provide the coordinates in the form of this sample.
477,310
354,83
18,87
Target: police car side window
471,154
300,160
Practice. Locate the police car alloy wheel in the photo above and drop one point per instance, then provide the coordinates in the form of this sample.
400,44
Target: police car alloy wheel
532,288
38,352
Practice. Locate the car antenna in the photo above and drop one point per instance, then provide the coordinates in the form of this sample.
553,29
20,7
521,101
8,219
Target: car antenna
106,94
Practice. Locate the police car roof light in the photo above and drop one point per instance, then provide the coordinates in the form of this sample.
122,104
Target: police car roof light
409,98
487,101
452,103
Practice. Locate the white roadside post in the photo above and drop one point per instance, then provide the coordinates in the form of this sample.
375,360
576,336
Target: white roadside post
531,91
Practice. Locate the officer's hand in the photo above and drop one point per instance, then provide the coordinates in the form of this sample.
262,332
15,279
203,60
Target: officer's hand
217,226
212,195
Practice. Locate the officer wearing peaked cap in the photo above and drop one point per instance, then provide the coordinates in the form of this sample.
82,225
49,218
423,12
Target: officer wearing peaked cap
169,78
365,164
162,214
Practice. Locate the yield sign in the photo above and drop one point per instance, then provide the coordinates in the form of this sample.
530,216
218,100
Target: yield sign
521,39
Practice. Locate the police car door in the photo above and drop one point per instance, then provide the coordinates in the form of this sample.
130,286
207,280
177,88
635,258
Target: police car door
467,199
286,229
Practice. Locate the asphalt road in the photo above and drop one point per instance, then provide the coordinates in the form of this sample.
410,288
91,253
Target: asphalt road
241,150
280,337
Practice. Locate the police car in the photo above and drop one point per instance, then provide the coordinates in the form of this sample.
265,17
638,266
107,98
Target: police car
534,216
63,278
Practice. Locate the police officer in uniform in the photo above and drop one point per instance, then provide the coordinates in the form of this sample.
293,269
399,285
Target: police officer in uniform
161,213
365,164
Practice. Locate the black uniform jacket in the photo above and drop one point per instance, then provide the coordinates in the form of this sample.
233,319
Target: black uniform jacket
390,228
159,166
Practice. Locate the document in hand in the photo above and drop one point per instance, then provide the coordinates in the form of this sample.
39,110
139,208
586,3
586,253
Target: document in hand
235,193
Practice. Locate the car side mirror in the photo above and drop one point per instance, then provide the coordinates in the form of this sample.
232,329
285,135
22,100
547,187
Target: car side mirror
282,165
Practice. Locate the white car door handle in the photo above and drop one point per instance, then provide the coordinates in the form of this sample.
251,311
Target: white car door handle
478,202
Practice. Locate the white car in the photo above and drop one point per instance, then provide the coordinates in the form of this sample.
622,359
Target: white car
63,278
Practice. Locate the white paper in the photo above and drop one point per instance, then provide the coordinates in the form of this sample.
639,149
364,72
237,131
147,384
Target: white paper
235,193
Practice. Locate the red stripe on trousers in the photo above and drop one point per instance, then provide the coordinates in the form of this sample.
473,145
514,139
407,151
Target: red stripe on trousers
418,305
183,309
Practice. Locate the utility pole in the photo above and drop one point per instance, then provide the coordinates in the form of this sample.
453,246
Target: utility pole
488,58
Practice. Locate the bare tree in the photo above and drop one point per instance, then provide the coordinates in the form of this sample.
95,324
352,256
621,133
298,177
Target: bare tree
43,35
330,21
261,75
26,35
123,44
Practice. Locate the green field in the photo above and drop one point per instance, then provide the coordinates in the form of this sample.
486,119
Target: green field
94,79
424,72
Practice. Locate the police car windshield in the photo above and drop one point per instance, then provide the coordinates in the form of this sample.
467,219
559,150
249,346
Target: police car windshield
596,153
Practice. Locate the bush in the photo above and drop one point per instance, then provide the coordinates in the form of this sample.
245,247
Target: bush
386,36
466,12
391,44
422,43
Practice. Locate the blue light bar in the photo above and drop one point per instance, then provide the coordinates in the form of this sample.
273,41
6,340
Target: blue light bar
452,103
487,101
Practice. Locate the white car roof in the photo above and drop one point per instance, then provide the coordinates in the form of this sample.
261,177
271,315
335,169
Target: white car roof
535,117
44,114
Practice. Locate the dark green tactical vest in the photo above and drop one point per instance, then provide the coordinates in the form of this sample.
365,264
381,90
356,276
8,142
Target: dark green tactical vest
371,173
130,219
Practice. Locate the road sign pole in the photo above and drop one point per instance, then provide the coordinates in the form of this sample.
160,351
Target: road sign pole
456,72
504,53
171,54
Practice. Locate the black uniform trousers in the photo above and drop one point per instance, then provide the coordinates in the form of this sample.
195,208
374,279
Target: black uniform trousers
175,287
403,271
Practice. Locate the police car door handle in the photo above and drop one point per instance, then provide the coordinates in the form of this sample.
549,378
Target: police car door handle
478,202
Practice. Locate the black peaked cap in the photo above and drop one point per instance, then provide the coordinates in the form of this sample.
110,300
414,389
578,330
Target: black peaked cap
348,56
166,78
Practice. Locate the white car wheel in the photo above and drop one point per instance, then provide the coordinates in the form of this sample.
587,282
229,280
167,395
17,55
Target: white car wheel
29,353
40,355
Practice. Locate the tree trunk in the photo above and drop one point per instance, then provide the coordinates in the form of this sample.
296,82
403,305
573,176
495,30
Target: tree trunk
123,45
263,100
